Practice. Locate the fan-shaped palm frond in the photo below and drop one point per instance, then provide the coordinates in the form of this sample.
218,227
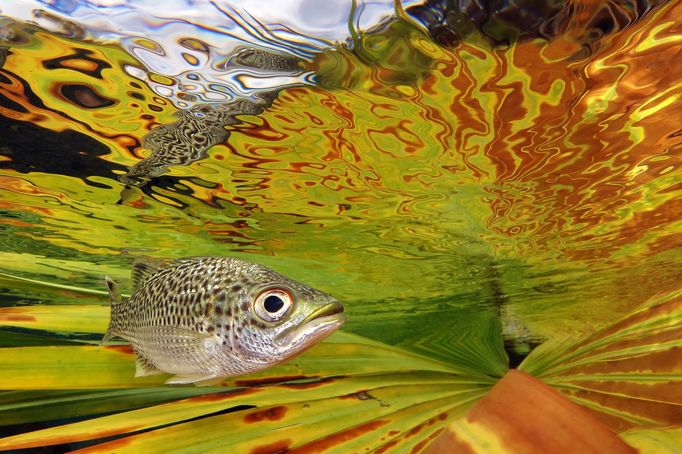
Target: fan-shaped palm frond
348,391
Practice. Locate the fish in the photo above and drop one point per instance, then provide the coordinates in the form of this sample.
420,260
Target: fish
187,140
206,318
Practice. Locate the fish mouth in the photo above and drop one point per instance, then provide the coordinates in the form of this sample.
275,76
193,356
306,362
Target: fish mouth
314,327
333,308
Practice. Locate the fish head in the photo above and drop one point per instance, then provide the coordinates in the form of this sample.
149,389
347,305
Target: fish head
283,318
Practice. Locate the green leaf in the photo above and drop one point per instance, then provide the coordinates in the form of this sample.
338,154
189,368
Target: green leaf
348,374
352,387
327,421
654,441
113,366
70,319
629,373
21,407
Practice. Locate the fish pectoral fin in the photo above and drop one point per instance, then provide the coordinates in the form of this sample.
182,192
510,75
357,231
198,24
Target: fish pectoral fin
198,380
182,344
144,367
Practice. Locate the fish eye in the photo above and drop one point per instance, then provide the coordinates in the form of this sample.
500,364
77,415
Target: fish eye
273,304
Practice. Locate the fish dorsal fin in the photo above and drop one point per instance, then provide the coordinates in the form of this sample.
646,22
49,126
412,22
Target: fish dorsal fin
145,267
114,292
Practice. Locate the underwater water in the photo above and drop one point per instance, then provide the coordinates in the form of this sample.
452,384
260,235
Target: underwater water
442,180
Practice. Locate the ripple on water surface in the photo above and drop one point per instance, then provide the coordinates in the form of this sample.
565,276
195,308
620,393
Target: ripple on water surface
418,181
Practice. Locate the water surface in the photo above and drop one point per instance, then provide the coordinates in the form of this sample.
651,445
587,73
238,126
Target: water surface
424,185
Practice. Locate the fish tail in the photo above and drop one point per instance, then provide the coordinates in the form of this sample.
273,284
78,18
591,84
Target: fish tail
115,298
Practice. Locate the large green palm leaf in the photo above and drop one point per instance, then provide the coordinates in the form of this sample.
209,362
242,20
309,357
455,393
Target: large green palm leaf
347,392
629,373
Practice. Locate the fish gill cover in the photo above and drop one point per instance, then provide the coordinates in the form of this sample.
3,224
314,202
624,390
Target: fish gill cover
461,176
